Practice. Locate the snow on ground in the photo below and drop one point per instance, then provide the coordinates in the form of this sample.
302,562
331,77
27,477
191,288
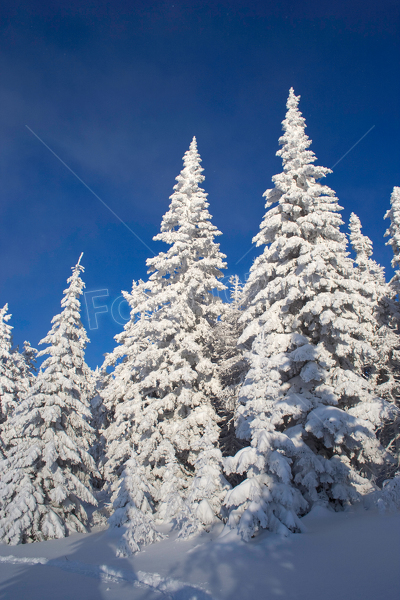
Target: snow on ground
351,555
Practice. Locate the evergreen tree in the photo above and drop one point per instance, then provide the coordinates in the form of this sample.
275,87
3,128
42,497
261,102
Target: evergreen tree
394,240
305,405
368,270
134,505
391,433
383,373
30,355
47,472
8,383
119,387
231,368
16,369
159,398
24,369
98,422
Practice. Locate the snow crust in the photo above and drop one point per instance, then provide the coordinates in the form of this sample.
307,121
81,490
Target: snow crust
339,555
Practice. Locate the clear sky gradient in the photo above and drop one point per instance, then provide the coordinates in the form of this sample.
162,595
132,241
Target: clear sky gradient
117,90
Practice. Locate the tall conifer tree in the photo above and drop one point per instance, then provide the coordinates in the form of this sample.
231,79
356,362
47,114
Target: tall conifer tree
159,399
383,372
393,232
393,312
8,384
47,472
309,328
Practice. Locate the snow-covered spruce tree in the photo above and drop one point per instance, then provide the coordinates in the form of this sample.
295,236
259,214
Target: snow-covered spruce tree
99,419
383,372
305,405
118,388
47,471
30,355
8,383
394,240
159,398
24,369
133,504
392,314
99,423
368,270
17,370
231,368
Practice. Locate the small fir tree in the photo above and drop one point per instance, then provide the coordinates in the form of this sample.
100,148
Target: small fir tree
25,370
231,368
47,473
394,240
134,505
368,270
99,422
8,382
30,355
381,371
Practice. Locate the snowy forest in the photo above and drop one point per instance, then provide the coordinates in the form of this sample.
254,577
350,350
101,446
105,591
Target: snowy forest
248,413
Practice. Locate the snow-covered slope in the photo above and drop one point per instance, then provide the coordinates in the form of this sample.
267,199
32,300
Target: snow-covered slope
351,555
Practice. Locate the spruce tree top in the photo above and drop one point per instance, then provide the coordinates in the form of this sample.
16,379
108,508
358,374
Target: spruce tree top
303,226
368,269
194,260
67,338
360,243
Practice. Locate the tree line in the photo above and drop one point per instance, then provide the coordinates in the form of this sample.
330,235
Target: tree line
250,412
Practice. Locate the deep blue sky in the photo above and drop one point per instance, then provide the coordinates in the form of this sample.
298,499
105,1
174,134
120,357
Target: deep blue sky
118,89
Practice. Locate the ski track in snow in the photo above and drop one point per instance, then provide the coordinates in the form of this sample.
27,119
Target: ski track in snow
170,588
